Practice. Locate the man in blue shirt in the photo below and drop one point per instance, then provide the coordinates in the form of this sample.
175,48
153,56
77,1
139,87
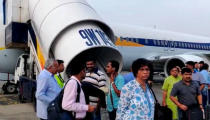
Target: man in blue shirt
128,77
47,88
205,74
116,84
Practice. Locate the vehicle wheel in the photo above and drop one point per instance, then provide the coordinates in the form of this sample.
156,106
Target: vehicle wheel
10,88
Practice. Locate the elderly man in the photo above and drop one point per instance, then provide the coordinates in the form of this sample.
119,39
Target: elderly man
47,88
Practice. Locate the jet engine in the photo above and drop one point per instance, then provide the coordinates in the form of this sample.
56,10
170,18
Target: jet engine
163,65
72,30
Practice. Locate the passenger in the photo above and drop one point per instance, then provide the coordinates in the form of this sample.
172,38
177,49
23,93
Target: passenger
196,76
77,71
201,63
57,76
136,100
116,84
167,87
96,78
196,67
205,74
47,88
189,101
129,77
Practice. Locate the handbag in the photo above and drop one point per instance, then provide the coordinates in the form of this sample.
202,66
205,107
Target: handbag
161,112
55,111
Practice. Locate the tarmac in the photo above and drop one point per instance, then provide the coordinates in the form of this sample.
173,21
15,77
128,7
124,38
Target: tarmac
12,109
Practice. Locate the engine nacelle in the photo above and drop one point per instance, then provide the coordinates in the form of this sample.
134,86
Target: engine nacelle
163,65
71,30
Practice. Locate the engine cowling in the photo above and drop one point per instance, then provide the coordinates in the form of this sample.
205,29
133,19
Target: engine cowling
71,30
163,65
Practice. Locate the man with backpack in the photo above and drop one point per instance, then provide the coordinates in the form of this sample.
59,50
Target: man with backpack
69,102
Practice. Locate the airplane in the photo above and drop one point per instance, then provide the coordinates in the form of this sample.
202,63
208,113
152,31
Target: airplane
164,48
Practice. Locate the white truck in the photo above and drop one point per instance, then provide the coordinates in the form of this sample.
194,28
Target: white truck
62,29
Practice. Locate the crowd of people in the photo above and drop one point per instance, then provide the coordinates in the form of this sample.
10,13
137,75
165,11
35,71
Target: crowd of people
124,97
185,91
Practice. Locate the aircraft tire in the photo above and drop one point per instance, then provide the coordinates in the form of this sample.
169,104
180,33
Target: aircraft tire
10,88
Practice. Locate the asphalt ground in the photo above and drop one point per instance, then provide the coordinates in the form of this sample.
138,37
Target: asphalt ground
12,109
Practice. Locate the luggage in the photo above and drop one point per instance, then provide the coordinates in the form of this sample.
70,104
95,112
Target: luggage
55,111
161,112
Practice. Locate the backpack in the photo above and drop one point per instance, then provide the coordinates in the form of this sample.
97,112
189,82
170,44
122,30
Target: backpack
55,111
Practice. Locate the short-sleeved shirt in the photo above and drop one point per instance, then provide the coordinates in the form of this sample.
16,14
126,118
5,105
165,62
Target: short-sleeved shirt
168,85
198,77
205,75
187,95
119,82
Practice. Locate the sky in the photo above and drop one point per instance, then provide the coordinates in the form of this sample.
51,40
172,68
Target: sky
186,16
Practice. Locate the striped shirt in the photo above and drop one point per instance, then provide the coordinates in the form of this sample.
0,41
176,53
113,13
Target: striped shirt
98,80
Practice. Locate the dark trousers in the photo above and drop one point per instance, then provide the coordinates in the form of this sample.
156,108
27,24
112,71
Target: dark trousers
96,115
112,115
193,113
204,98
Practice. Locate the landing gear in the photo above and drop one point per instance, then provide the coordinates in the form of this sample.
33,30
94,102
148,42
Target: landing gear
9,88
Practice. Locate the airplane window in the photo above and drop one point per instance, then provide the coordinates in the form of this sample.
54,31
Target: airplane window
172,44
186,45
158,42
175,44
182,44
133,39
146,41
162,42
154,42
166,43
129,39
